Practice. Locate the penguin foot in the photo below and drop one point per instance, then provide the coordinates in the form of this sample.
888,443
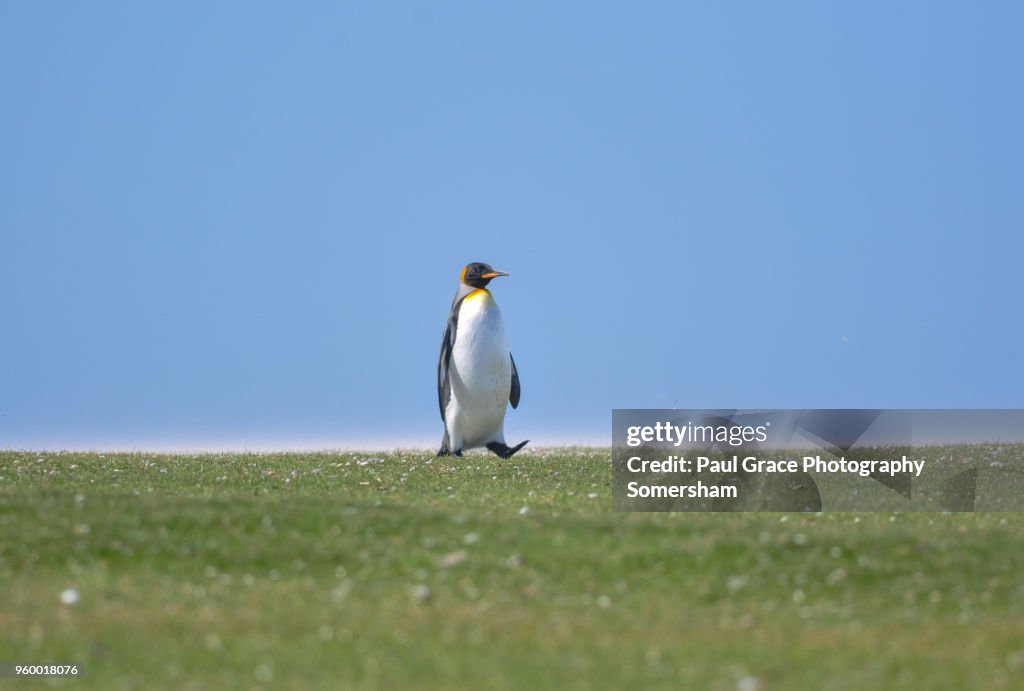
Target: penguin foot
446,449
504,450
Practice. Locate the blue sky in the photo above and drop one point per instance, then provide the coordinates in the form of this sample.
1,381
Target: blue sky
241,224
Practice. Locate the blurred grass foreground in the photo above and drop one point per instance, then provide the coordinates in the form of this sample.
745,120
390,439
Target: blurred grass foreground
406,571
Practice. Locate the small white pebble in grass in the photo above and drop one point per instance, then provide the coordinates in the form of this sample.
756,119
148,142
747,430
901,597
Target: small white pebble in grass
419,592
835,577
452,559
470,538
856,519
341,591
750,682
995,464
604,602
784,519
799,539
524,510
736,582
69,597
592,495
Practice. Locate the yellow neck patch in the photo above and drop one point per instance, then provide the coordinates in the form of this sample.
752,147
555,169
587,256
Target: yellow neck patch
477,294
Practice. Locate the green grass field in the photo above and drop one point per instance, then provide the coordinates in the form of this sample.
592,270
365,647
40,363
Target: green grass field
404,571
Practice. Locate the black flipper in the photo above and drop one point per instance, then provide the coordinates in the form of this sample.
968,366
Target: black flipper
504,450
444,387
513,394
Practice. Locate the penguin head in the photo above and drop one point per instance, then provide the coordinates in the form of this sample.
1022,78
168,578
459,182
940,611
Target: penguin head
478,274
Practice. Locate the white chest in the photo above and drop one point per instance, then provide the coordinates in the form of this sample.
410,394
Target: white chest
481,354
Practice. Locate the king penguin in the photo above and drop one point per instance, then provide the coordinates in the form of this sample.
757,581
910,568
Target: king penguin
476,375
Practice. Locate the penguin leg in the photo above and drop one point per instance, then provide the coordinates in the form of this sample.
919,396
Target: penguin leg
446,447
504,450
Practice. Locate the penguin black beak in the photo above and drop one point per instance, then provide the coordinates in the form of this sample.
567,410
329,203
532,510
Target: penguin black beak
493,274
